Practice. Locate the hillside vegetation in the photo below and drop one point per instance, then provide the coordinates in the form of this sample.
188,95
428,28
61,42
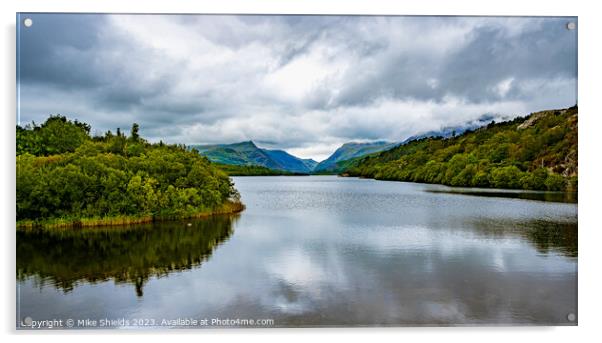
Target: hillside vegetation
66,177
250,170
537,152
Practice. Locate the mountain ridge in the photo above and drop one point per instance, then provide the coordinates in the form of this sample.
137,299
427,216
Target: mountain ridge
351,150
247,153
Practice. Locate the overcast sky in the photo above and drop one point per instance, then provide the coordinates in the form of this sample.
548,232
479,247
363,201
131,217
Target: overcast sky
305,84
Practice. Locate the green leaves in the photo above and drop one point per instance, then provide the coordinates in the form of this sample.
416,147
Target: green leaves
539,156
56,136
111,176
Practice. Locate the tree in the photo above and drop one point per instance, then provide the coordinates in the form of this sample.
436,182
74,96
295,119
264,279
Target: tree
535,180
555,182
112,176
56,135
135,135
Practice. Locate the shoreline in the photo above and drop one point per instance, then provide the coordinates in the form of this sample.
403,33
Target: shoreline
460,186
429,183
226,208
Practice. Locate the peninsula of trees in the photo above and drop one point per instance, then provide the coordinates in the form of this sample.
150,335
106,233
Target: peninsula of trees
66,177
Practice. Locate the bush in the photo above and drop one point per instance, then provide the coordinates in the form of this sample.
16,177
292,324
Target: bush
555,182
506,177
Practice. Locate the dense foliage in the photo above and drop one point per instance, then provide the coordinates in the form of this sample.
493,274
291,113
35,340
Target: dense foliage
64,173
251,170
537,152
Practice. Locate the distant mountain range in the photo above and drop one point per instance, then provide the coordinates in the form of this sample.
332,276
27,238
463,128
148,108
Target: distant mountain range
349,151
249,154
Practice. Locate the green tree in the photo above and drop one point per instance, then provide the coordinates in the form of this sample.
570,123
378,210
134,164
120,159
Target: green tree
112,176
135,135
555,182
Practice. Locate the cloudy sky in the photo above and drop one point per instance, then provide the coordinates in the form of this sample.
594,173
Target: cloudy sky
305,84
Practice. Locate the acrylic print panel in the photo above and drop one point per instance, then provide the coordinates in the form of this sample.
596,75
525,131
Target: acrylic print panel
202,171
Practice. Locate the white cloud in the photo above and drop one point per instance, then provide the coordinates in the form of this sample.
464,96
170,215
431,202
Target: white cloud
303,84
504,87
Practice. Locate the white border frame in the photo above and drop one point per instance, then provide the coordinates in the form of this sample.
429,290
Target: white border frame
590,125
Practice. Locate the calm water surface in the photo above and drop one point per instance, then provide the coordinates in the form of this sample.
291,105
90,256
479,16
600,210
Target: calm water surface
318,251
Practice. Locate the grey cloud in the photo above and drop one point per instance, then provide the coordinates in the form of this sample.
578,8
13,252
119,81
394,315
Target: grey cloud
547,53
196,79
473,71
55,50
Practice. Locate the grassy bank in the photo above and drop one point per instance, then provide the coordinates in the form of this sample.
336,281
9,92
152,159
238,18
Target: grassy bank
226,208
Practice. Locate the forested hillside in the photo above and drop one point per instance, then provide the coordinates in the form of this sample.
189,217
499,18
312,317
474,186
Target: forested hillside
250,170
65,177
537,152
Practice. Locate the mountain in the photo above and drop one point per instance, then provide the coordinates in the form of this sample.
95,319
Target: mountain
309,163
248,154
537,152
289,162
350,151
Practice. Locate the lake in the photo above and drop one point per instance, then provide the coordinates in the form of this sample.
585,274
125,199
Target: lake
316,251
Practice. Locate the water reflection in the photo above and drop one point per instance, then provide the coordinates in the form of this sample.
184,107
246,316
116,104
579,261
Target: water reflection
547,236
550,236
568,197
130,255
322,251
